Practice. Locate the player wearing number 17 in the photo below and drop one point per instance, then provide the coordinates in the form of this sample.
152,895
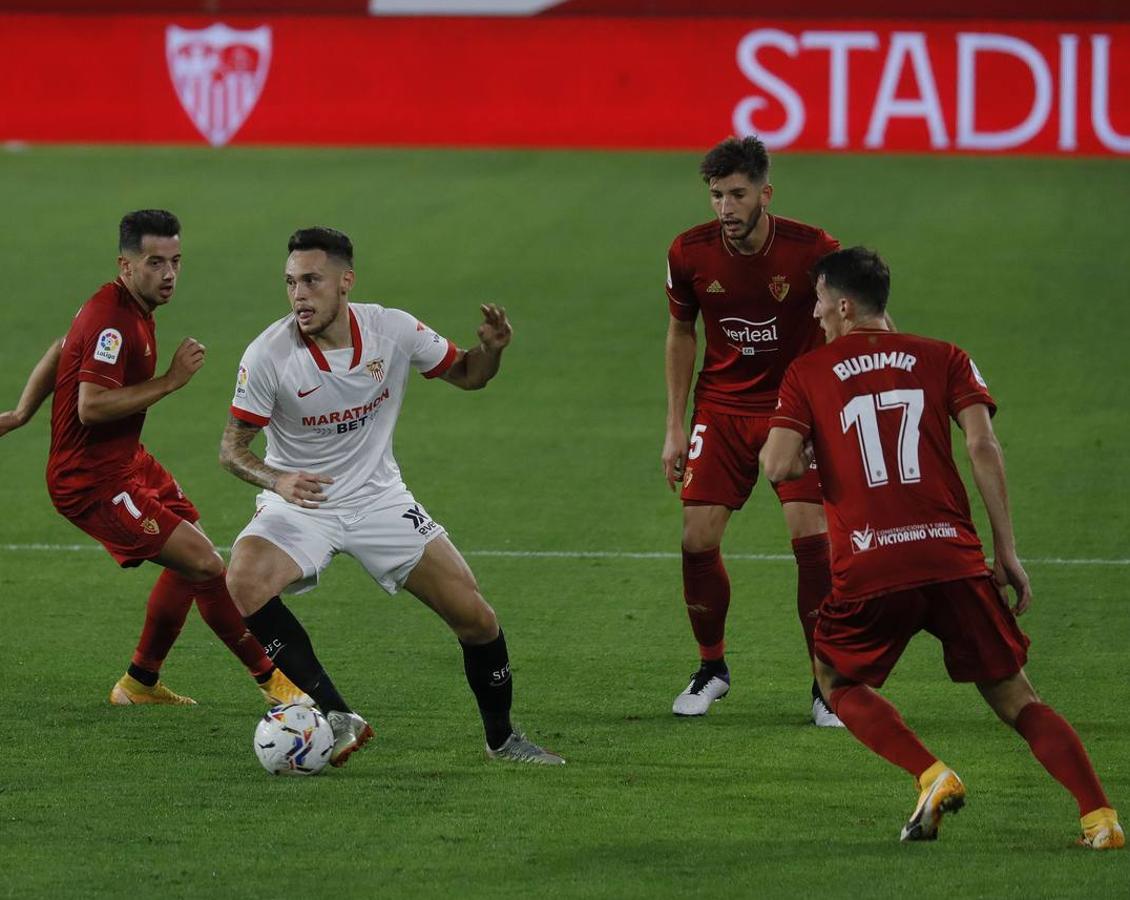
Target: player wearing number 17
876,407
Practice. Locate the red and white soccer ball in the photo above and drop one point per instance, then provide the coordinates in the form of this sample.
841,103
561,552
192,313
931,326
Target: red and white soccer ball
293,740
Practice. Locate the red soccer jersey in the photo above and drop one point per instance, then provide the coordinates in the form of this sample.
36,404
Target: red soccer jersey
877,405
756,309
111,342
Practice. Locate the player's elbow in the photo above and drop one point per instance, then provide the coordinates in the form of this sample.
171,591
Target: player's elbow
226,457
88,413
776,469
983,447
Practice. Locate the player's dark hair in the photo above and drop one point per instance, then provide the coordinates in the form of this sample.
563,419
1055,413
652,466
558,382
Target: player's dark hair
332,241
746,155
137,224
858,273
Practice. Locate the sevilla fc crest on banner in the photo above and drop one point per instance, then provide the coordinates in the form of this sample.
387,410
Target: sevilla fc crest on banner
218,73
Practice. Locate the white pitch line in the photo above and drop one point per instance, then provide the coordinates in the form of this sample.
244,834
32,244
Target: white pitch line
580,554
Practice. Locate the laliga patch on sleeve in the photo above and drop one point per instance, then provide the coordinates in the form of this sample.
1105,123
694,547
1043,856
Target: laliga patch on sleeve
108,346
977,374
241,382
670,282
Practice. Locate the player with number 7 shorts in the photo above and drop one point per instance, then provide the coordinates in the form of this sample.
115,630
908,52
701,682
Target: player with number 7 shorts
103,480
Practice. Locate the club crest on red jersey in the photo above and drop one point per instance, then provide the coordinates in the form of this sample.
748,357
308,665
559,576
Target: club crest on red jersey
150,526
218,73
779,287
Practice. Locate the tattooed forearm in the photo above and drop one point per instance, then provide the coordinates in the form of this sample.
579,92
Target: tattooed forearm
237,458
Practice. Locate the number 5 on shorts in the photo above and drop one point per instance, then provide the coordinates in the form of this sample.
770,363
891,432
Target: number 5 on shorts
125,498
696,442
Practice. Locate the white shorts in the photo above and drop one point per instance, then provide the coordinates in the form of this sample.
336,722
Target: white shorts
386,535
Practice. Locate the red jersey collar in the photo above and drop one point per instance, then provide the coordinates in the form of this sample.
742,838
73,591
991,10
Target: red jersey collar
320,357
130,300
764,247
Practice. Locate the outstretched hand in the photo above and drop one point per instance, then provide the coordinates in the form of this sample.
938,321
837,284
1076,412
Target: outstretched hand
495,332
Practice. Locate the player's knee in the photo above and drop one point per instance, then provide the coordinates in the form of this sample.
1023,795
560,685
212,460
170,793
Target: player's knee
1008,698
1017,705
480,624
245,590
698,540
204,567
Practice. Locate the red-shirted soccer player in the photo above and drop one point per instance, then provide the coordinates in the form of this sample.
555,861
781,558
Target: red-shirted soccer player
747,274
102,479
876,408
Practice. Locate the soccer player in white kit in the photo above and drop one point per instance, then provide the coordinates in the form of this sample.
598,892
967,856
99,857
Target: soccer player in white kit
327,382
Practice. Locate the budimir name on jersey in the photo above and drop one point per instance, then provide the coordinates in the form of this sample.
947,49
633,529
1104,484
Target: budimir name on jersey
349,419
869,362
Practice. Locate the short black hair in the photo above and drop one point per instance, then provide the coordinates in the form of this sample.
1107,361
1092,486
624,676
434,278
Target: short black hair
746,155
137,224
319,237
857,273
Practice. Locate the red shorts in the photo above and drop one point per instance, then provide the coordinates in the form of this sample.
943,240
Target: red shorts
134,523
863,639
722,466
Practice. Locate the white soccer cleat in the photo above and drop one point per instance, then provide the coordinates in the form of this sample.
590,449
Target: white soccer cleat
707,685
822,715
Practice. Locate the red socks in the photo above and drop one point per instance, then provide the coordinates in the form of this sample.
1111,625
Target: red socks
167,609
218,610
1056,745
879,727
813,581
168,606
706,590
1053,741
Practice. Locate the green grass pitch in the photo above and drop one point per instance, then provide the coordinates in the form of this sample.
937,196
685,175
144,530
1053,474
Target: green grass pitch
1021,261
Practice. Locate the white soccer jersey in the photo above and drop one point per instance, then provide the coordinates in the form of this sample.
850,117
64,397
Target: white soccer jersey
333,412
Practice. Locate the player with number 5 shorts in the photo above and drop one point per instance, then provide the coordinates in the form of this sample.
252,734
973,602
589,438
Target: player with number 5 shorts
745,273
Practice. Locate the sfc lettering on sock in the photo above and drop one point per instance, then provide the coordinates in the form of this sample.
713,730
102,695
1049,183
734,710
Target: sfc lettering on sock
500,677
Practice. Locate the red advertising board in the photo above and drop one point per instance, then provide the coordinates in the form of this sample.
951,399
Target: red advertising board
973,86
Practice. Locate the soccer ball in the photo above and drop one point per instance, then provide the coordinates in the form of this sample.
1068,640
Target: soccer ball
293,740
